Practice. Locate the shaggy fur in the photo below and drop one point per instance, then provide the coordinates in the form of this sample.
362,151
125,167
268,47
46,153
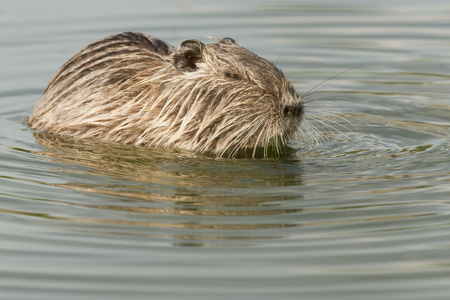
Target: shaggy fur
135,89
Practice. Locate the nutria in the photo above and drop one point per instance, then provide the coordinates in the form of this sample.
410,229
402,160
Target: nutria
132,88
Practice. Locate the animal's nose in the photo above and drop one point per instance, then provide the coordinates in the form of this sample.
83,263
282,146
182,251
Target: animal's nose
293,111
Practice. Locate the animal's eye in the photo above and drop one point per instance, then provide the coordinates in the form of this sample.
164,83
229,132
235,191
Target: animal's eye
232,75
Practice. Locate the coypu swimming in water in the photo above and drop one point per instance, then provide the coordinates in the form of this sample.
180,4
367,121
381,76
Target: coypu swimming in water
132,88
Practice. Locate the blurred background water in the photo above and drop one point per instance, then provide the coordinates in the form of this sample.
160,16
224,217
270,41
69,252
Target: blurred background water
364,214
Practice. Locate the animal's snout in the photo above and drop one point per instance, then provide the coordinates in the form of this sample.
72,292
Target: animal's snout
293,111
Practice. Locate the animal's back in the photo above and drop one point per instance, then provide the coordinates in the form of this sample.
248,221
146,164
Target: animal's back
117,50
93,75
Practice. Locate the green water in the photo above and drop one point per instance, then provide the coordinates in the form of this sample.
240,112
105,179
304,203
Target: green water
363,214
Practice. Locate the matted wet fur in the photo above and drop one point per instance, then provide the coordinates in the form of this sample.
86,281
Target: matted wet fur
132,88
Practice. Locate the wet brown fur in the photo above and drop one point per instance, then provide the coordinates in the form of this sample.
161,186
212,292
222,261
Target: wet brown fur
135,89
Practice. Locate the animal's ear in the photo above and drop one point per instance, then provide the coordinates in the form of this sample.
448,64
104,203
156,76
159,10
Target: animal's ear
227,40
188,55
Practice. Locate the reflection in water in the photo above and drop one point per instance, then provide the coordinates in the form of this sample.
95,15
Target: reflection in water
179,195
163,166
162,183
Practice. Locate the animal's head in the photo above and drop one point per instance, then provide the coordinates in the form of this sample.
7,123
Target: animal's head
234,99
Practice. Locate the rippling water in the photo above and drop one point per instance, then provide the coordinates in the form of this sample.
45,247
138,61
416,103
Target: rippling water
363,214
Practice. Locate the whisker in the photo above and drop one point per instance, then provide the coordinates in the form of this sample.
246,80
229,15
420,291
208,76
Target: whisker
320,84
310,132
341,116
329,128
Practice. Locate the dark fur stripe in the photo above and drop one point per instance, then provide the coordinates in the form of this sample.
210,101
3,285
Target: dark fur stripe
126,47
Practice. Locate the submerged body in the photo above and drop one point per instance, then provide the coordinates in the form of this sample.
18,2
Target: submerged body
135,89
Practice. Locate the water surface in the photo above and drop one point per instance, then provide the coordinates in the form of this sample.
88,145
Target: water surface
361,214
